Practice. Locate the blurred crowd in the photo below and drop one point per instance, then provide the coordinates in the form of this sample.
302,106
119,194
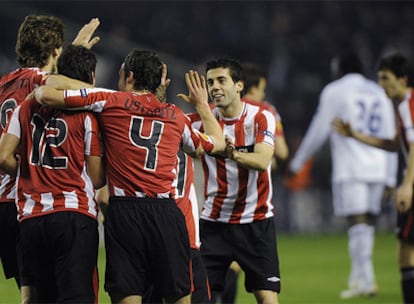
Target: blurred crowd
293,40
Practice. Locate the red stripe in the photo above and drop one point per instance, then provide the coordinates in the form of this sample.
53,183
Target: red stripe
191,276
261,209
411,105
95,284
221,179
240,203
408,226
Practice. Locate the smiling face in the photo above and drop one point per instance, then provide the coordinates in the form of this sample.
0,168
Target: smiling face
222,89
394,87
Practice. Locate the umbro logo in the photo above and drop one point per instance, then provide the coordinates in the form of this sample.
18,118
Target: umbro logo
273,279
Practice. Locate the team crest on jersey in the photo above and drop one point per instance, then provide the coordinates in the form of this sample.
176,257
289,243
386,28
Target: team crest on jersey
248,129
83,92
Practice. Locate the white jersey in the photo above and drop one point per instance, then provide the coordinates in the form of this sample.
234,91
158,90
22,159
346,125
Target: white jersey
363,104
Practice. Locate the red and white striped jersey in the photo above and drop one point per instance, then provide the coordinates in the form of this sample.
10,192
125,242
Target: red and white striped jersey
406,123
268,106
235,194
14,87
186,197
141,137
52,173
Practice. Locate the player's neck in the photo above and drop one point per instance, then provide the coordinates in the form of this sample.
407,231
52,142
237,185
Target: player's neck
141,92
233,110
50,66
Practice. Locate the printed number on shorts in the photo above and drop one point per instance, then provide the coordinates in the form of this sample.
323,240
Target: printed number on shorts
6,110
369,117
149,143
44,137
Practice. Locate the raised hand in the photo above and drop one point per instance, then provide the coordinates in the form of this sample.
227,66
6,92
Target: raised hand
161,91
197,89
84,37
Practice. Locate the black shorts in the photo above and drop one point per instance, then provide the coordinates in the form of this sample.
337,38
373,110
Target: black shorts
60,252
9,237
146,244
405,225
252,245
201,288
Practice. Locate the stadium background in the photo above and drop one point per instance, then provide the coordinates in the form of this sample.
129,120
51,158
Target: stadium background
293,40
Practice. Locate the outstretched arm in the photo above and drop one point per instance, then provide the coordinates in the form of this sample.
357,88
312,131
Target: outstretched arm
61,82
198,97
345,129
47,95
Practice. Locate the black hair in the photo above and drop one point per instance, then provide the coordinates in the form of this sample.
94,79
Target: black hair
77,62
252,75
147,69
236,70
349,62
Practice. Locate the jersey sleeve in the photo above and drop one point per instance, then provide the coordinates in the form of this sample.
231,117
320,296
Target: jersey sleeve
192,138
93,145
13,126
266,126
91,99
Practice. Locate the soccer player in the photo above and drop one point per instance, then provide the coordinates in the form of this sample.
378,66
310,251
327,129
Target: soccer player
254,92
145,234
60,165
186,199
39,44
238,210
359,173
394,75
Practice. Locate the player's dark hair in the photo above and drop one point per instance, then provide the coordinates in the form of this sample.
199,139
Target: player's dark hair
147,69
349,62
77,62
37,38
236,70
399,65
252,75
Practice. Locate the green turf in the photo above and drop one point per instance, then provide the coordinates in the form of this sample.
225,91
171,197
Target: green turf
314,270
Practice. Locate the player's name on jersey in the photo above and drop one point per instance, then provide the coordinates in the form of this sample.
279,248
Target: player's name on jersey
138,107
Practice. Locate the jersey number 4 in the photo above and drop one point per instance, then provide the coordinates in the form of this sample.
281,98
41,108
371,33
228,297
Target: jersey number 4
149,143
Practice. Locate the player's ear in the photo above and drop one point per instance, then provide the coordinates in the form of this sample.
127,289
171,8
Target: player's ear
239,86
404,81
57,52
130,78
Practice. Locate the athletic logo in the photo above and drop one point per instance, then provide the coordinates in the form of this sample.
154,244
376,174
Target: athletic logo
248,129
273,279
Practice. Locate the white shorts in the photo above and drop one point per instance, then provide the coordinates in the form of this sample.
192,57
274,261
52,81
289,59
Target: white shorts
352,198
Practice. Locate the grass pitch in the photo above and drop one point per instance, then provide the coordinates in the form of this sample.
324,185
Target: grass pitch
314,269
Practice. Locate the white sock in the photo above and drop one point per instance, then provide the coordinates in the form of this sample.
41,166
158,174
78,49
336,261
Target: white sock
361,243
353,244
367,246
